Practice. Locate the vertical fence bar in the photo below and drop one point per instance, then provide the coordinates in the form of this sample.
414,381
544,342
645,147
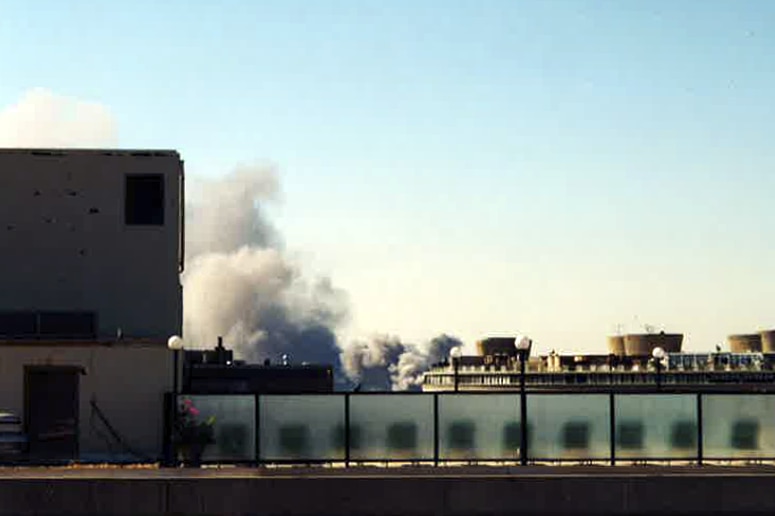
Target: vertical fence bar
347,430
435,429
612,426
167,445
522,424
699,430
257,426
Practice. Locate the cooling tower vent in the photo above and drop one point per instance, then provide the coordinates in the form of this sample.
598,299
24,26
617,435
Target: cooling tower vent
750,343
642,344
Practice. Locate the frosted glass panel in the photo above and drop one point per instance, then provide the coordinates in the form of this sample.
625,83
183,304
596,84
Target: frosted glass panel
235,432
562,426
391,426
299,427
479,426
738,426
656,426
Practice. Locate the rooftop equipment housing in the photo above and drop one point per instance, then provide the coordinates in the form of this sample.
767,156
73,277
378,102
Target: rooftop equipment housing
748,343
642,344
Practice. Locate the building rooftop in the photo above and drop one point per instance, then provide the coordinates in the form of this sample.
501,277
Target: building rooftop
103,152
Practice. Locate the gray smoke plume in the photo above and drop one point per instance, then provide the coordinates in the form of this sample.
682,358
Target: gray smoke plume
239,283
386,363
369,363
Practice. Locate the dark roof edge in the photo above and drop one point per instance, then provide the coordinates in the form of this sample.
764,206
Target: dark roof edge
106,152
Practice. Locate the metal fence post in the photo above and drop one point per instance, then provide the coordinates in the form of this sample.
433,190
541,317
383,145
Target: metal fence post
347,430
257,426
699,429
522,422
612,427
435,429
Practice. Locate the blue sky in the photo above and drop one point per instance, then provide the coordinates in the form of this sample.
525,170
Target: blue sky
551,167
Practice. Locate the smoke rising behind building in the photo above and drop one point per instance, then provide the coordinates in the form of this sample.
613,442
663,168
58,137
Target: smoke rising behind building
240,283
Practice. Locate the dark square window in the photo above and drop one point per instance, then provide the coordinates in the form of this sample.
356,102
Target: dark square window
630,435
745,435
18,324
144,200
461,435
402,436
684,435
71,325
575,435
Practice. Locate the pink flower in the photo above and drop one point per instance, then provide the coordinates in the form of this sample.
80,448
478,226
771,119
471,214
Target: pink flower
187,402
193,411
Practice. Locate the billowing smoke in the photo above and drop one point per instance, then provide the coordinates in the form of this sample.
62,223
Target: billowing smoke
371,363
239,283
386,363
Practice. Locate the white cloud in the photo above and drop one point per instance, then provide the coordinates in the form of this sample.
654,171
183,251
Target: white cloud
42,118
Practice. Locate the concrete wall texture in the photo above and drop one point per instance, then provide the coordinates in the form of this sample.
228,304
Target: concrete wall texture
406,495
126,381
100,232
66,246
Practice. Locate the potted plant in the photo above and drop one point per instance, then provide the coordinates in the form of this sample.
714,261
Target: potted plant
192,434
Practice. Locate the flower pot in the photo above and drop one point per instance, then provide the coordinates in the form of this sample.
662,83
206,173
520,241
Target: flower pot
190,455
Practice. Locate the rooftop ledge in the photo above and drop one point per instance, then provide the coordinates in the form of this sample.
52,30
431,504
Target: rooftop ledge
53,152
80,343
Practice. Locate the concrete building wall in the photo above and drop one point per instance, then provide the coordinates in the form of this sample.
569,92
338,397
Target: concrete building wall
66,247
126,381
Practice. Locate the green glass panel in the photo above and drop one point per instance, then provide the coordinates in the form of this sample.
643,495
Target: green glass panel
569,427
391,427
656,426
738,426
234,429
474,426
301,427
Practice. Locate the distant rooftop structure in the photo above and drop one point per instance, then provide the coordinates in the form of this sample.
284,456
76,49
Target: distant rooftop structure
629,365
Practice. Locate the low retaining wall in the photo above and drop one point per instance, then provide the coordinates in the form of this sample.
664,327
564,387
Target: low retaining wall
405,494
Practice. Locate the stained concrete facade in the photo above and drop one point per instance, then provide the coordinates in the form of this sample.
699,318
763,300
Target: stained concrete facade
66,244
91,247
122,383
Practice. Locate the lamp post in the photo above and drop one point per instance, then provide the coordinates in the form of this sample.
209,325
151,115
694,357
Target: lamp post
175,343
523,348
454,355
659,355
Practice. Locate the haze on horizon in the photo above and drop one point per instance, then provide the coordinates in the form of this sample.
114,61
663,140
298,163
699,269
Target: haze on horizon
560,169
